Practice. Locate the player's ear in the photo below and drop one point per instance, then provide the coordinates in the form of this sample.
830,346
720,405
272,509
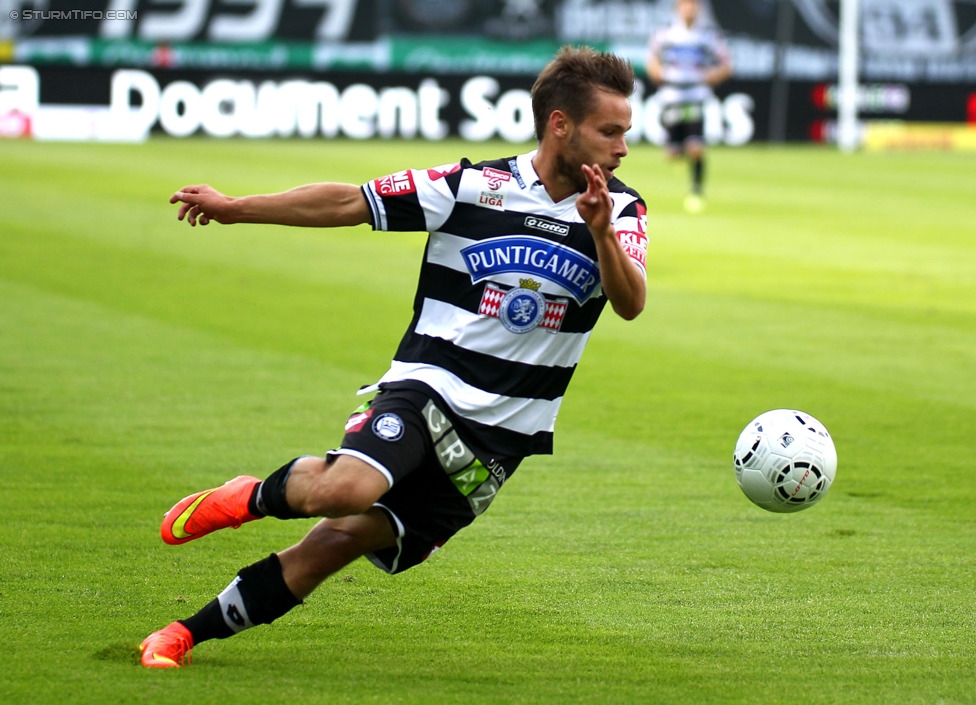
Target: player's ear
559,123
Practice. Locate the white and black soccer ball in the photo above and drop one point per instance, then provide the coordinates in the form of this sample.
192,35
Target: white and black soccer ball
785,460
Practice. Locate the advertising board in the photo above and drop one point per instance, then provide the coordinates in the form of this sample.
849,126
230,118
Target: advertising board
462,67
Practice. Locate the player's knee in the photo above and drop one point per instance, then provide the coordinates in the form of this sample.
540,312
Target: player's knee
348,537
323,552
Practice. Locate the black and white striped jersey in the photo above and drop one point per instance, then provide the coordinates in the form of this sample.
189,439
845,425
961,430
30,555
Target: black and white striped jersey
686,54
508,293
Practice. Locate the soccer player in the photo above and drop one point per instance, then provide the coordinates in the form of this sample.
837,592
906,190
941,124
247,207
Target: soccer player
687,59
522,256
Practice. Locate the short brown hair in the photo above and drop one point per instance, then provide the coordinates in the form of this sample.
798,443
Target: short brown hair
568,81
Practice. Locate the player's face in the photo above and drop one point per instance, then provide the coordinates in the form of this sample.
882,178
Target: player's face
687,11
597,139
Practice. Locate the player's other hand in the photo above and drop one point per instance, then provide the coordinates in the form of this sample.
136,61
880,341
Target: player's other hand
595,204
202,204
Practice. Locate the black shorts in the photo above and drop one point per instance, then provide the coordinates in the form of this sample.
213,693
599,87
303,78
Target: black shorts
684,123
438,484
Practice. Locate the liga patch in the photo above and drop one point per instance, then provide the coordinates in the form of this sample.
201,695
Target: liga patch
492,199
499,303
396,184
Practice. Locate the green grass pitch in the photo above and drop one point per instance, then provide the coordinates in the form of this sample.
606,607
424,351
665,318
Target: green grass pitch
141,360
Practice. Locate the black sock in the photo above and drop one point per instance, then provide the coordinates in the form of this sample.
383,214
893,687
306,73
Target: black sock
258,595
268,497
697,175
208,623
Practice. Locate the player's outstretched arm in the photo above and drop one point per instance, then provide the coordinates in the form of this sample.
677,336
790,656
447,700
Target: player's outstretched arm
623,282
654,70
719,74
313,205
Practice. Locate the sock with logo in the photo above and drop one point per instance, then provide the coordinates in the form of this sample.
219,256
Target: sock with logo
268,497
258,595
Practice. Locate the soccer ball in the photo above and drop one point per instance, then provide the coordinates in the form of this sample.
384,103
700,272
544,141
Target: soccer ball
785,460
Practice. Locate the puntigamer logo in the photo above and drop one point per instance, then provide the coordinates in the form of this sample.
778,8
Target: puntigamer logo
575,272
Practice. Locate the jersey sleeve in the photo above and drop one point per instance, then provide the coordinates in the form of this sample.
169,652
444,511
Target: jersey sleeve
413,199
722,52
631,227
656,42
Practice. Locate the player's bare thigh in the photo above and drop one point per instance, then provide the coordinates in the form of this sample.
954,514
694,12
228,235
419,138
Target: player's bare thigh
339,487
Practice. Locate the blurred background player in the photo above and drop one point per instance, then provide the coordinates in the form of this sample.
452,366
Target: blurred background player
687,59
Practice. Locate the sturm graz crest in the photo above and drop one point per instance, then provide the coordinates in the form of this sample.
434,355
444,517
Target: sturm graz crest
388,426
522,309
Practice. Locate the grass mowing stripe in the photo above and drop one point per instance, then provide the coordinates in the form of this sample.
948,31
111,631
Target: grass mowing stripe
677,382
263,310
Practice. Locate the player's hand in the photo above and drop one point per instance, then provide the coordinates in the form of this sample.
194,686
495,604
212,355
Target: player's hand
713,77
595,204
654,73
202,204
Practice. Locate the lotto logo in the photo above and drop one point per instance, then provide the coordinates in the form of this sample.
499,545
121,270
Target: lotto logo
234,615
396,184
547,226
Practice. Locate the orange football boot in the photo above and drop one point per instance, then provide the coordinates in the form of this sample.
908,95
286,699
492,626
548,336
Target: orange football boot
167,648
203,512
